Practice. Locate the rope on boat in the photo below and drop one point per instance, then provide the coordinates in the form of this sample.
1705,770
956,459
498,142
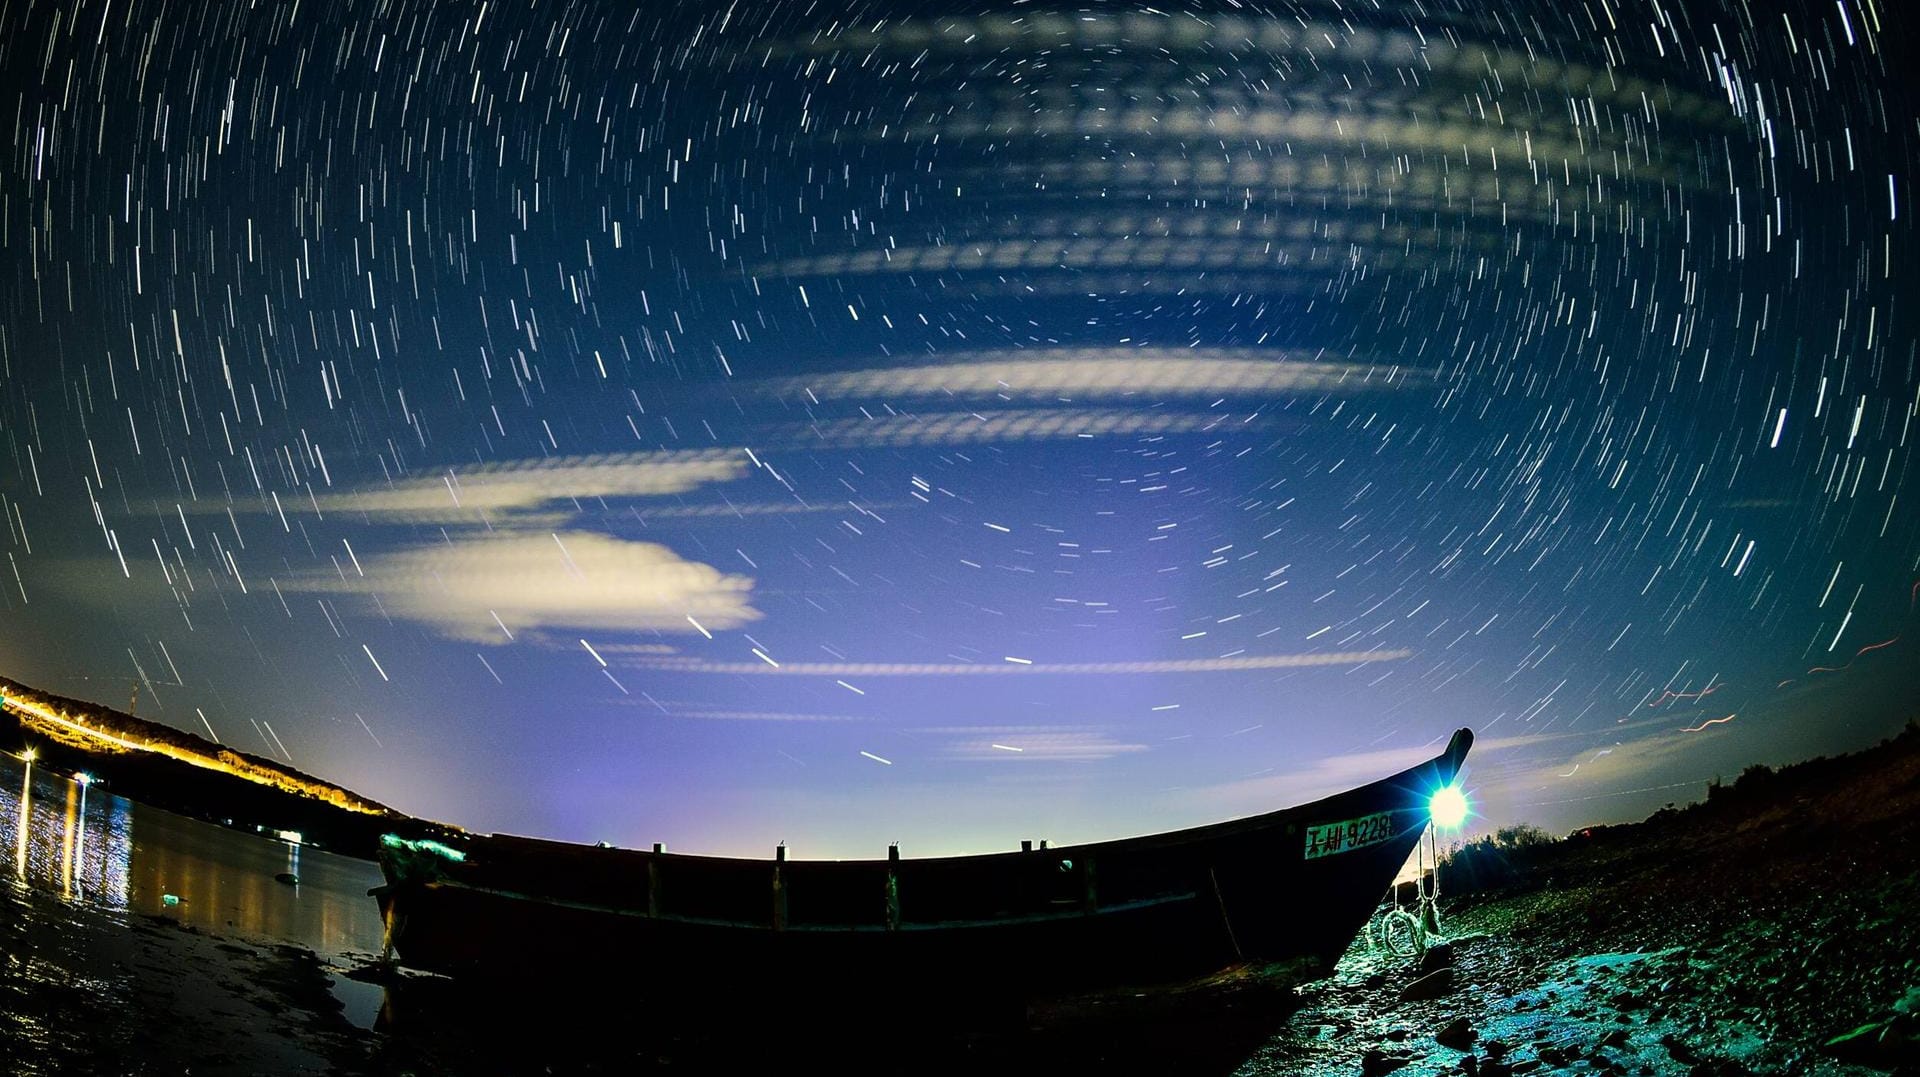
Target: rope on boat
1224,918
1423,918
1430,914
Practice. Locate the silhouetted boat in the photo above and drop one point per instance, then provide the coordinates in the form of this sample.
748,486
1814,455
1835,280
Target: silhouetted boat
1290,885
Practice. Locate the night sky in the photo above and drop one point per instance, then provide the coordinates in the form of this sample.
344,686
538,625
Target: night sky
723,424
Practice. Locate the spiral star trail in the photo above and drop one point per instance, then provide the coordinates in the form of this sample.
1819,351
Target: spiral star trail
640,422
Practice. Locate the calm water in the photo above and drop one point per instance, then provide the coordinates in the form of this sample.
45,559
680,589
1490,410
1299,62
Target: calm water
113,854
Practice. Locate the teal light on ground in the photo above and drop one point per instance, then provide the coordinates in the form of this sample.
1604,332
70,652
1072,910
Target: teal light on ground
1448,807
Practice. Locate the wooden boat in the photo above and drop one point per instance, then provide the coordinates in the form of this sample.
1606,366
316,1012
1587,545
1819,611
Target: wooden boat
1290,885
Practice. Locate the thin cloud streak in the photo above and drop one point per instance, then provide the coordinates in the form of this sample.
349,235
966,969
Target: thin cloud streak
1325,777
951,669
1033,744
1035,424
671,710
505,490
1109,372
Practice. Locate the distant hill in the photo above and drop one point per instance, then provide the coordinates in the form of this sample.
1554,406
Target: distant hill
1852,803
168,768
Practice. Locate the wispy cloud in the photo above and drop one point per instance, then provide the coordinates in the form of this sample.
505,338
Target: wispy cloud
1033,424
481,587
1188,258
732,509
1612,765
670,709
1011,744
1454,58
509,492
1329,775
679,664
1111,372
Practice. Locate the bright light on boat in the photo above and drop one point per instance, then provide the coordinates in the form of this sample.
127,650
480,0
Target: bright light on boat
1448,807
395,841
83,778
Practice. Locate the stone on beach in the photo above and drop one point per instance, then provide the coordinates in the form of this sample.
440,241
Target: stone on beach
1432,985
1457,1034
1377,1062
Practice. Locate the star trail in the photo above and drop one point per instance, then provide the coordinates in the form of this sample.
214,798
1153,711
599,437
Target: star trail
736,423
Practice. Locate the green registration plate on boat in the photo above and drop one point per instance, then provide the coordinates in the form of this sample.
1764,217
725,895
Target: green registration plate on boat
1326,839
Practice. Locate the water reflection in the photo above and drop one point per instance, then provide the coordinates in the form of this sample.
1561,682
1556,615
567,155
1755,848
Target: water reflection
64,842
84,844
26,802
77,826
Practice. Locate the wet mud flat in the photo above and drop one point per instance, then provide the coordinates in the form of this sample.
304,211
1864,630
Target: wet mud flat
1774,929
90,990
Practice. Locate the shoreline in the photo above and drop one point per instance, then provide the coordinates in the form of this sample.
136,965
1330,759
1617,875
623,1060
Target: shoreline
90,990
1773,929
164,767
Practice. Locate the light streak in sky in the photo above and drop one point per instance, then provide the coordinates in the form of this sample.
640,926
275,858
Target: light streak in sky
1702,694
1708,722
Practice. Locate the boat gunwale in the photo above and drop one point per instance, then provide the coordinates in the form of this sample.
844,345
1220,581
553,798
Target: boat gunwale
905,926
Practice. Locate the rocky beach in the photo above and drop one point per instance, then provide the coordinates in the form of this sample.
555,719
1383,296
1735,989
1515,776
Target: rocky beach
1771,929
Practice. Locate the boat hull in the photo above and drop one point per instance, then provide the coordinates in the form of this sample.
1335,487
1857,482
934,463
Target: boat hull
1292,885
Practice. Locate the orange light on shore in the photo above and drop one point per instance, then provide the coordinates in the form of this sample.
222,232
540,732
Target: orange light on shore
252,772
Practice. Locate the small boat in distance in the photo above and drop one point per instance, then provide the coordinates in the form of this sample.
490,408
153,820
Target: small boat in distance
1292,886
